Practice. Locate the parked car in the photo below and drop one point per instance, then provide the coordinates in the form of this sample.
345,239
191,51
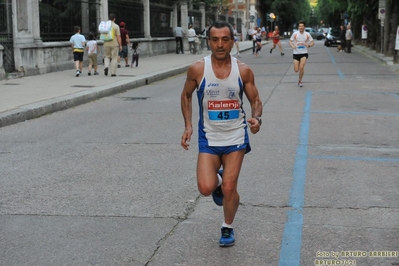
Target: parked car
332,37
315,34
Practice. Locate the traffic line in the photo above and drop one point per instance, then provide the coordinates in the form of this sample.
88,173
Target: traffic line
290,252
340,74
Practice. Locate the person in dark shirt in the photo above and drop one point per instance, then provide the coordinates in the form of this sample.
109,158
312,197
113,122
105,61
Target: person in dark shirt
125,43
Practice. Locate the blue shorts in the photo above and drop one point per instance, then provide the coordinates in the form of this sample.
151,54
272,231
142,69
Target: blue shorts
224,149
123,53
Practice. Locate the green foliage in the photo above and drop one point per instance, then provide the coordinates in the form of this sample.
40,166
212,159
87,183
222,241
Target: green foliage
289,12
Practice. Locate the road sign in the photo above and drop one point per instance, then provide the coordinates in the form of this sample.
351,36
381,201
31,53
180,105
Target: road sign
381,13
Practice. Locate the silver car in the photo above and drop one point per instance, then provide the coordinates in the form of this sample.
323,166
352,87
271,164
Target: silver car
315,34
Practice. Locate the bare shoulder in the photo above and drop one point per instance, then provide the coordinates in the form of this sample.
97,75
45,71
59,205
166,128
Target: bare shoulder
246,72
196,69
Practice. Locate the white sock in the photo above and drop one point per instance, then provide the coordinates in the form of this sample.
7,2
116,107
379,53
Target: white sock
227,225
219,179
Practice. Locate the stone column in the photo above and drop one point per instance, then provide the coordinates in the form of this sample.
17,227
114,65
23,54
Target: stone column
184,21
175,14
215,12
147,21
203,16
252,12
84,28
103,10
184,15
36,23
23,21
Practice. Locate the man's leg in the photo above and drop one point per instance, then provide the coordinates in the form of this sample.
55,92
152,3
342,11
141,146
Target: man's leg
77,64
207,181
231,169
207,167
114,56
296,65
80,66
302,64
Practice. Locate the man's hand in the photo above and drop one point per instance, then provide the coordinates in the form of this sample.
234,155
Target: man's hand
186,138
254,125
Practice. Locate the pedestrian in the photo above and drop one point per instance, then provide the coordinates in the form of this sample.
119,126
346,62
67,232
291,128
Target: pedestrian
348,39
253,39
91,48
342,37
179,33
258,40
112,48
264,33
204,33
125,44
78,42
220,81
300,41
236,40
276,40
191,39
136,51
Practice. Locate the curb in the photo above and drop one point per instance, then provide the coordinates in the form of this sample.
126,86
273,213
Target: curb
46,107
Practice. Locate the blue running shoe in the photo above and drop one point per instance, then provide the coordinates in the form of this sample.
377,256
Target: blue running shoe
227,238
217,195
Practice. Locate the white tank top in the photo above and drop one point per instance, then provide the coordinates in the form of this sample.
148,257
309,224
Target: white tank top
222,118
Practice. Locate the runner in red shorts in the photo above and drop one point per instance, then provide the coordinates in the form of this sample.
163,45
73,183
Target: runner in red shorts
276,40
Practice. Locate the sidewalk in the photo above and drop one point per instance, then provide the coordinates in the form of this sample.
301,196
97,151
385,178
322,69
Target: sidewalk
31,97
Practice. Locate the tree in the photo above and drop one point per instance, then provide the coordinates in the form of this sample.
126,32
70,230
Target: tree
289,12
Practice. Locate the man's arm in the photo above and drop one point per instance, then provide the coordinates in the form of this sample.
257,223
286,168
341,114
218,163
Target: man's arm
193,73
311,43
252,94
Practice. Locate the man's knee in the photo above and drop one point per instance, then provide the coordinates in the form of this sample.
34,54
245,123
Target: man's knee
205,189
229,190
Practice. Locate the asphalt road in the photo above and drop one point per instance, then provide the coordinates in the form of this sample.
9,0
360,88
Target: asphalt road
107,183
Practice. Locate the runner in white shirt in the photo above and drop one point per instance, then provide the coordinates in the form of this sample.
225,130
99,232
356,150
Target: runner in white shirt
300,41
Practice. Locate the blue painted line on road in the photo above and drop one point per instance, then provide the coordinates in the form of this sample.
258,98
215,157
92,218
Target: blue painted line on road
330,55
340,74
348,158
355,113
290,252
396,95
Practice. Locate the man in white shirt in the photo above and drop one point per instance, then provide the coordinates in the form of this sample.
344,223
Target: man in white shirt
300,41
191,38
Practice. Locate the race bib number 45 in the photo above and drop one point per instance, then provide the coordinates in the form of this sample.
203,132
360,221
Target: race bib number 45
223,110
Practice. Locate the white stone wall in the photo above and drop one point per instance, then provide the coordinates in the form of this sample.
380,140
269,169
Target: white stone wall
41,58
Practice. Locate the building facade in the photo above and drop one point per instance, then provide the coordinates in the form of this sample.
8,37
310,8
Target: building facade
34,34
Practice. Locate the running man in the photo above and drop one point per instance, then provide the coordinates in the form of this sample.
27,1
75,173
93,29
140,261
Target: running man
300,41
276,40
221,81
258,39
